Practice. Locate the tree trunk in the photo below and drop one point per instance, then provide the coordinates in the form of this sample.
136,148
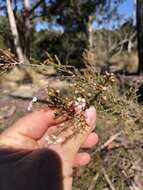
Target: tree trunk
14,31
90,33
28,28
139,15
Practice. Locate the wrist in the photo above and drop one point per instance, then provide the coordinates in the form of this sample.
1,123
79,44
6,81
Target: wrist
67,177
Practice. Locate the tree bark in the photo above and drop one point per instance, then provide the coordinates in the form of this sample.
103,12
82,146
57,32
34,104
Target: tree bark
14,31
89,32
28,28
139,16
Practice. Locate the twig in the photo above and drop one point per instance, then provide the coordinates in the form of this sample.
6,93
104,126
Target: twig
107,179
35,7
93,182
110,140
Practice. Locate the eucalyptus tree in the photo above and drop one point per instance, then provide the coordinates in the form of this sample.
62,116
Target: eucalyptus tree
75,15
76,18
139,15
21,16
14,31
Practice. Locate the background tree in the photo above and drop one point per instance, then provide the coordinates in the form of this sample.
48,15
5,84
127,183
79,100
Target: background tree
14,31
21,16
6,39
68,28
139,10
76,18
28,28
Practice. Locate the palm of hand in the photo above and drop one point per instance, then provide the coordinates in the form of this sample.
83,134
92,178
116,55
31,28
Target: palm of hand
30,131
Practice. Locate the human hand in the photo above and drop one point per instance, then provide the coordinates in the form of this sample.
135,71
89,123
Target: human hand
29,133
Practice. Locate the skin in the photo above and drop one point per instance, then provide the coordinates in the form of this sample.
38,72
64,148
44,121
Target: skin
30,131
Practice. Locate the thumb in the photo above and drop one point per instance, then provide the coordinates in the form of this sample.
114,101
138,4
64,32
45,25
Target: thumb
35,124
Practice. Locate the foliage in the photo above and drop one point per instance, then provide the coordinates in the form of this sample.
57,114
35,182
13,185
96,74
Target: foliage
6,40
73,17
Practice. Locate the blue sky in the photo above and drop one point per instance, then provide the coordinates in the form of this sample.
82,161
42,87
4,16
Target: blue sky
127,9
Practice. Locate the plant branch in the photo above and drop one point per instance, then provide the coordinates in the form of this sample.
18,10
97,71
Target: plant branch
107,179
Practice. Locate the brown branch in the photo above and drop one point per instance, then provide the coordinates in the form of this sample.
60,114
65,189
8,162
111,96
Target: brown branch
35,7
110,140
93,182
107,179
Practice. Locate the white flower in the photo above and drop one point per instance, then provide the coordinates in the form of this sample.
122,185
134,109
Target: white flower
71,85
89,94
34,99
76,103
104,88
58,91
54,137
83,100
79,99
31,103
58,141
29,106
53,140
104,98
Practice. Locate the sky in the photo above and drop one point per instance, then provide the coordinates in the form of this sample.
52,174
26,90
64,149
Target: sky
127,9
